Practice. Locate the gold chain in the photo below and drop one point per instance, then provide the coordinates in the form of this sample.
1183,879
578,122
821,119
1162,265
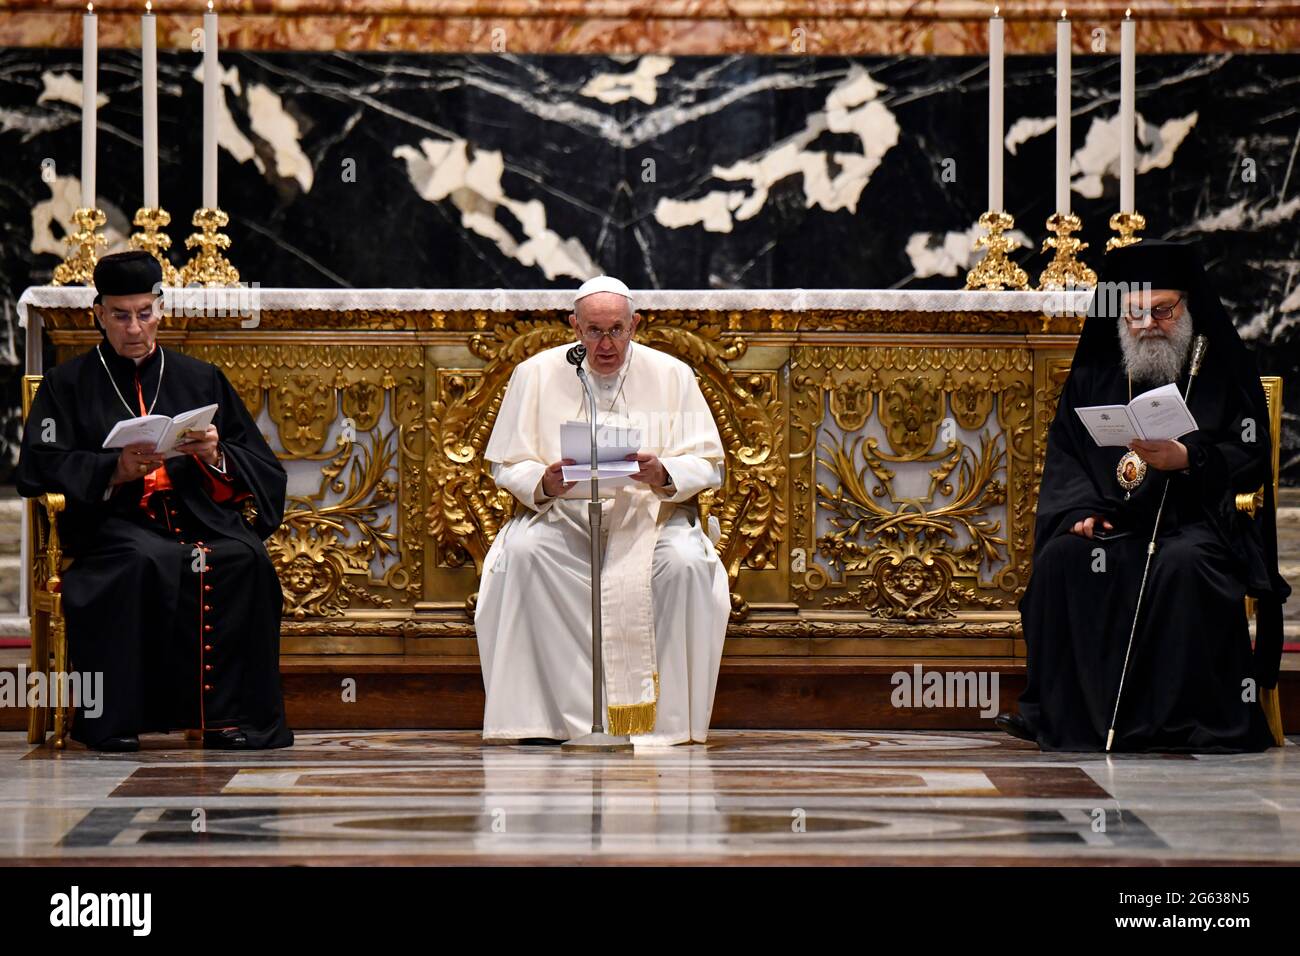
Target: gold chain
162,367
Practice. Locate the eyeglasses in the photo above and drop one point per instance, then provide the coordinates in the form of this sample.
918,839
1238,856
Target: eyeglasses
1161,313
593,336
151,311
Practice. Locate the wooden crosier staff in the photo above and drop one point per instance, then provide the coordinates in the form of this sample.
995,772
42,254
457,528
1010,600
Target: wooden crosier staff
1198,354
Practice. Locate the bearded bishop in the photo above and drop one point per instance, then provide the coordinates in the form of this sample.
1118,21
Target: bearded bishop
1191,679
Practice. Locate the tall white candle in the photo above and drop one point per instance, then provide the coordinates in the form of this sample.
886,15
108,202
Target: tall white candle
1127,113
995,112
1063,115
211,90
89,105
149,85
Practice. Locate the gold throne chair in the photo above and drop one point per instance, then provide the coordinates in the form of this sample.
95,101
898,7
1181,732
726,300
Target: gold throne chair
1250,504
49,630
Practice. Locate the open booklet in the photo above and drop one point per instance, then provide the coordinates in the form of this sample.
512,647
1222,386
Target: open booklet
1153,416
613,444
160,430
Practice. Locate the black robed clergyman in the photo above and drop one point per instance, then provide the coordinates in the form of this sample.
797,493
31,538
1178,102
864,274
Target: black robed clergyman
171,595
1191,681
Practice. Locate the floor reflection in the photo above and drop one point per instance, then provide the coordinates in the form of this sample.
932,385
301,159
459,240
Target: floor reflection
764,796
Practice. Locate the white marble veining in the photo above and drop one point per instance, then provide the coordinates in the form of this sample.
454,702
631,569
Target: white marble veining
1026,128
57,210
952,253
1098,158
443,168
268,121
638,84
832,179
66,88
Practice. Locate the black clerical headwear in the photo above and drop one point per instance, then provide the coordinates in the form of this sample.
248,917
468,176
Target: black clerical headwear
1165,265
1157,264
127,273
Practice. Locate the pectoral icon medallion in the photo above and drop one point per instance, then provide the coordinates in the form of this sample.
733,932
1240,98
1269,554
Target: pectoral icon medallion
1130,472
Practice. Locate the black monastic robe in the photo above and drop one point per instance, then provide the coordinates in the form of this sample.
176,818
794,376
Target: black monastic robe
171,594
1193,681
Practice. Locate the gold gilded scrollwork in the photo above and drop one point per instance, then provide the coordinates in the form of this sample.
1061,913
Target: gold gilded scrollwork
363,403
851,403
307,550
466,509
902,448
911,411
750,418
302,407
365,513
919,555
971,404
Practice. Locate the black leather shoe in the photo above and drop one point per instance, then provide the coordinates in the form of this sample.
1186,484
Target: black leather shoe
232,738
1015,725
117,745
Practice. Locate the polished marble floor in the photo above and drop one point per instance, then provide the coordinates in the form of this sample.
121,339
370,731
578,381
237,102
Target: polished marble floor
745,797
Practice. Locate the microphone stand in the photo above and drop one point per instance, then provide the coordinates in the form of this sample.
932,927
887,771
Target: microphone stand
597,741
1198,354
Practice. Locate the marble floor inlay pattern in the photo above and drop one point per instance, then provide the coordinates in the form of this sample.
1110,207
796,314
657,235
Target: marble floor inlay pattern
745,797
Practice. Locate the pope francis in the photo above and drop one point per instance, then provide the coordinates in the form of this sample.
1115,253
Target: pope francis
665,598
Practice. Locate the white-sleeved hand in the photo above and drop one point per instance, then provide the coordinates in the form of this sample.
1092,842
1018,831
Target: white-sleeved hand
553,483
653,472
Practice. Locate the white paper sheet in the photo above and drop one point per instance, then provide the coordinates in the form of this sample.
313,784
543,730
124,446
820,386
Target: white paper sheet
613,445
163,432
1156,415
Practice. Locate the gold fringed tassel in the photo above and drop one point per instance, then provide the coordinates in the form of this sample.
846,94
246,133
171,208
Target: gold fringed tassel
628,719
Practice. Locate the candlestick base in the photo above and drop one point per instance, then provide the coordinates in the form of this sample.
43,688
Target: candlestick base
1065,271
995,271
78,266
152,220
1126,224
209,267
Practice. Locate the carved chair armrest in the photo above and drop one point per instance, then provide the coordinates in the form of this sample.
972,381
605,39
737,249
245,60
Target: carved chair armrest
1251,502
53,504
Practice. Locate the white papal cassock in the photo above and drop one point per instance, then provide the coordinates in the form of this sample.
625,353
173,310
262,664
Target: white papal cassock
665,596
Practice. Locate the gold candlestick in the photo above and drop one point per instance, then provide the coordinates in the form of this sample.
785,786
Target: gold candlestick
1065,271
208,266
1126,224
78,266
152,220
995,271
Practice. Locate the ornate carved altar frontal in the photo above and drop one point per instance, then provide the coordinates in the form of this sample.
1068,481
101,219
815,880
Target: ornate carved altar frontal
883,452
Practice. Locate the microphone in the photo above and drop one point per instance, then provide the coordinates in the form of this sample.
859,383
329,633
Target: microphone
575,356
